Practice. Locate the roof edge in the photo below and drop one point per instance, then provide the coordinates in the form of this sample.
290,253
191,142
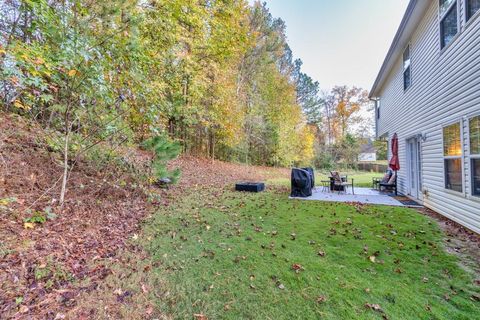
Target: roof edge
393,47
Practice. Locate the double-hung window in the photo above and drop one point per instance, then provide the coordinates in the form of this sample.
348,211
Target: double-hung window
448,21
407,69
472,7
474,134
452,152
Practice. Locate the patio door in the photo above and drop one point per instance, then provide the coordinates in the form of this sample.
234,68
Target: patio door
414,168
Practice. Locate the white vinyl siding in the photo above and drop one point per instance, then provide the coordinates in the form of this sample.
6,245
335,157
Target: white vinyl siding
445,91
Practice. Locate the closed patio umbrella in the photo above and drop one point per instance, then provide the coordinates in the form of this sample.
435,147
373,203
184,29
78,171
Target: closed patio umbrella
394,161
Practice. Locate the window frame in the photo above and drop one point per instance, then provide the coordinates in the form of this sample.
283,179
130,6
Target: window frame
409,68
468,18
441,18
471,156
461,157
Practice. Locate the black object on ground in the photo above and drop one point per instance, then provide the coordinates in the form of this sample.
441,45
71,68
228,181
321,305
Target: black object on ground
312,175
407,201
250,186
301,181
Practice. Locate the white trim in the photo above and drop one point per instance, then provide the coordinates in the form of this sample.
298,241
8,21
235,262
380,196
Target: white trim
471,156
461,156
440,15
409,47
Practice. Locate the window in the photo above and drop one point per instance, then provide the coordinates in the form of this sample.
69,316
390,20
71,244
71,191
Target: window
378,108
448,21
452,151
445,5
472,7
407,75
474,126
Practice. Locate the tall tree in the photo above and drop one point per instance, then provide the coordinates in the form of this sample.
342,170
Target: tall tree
308,94
342,107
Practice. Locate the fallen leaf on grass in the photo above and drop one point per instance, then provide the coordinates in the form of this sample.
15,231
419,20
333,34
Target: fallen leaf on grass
374,307
72,73
297,267
321,299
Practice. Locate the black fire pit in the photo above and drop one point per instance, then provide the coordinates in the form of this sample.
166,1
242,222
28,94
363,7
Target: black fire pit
250,186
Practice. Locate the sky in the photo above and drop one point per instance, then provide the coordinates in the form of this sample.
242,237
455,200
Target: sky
341,42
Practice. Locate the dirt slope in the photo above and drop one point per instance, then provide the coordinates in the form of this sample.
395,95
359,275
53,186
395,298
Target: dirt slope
43,270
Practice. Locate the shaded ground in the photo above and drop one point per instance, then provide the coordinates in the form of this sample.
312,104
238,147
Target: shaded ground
41,267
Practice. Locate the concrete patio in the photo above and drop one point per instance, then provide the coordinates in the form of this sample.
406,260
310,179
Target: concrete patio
362,195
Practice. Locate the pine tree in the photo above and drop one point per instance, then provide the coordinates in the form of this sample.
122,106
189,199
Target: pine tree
164,150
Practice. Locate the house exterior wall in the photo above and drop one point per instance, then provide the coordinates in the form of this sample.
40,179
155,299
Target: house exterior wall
445,89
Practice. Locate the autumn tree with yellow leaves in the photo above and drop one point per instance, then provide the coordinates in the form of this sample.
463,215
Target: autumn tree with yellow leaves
215,76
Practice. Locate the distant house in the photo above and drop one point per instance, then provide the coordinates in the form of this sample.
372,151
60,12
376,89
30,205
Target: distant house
428,92
368,153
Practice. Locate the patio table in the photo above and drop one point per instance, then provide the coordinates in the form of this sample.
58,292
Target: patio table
344,185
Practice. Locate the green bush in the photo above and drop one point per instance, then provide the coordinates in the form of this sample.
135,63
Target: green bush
164,150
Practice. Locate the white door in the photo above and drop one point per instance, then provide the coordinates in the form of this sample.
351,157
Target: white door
413,166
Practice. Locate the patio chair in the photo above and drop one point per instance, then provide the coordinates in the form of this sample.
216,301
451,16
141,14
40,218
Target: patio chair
339,183
391,184
376,180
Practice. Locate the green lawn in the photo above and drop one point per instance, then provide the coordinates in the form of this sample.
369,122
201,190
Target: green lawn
360,178
230,255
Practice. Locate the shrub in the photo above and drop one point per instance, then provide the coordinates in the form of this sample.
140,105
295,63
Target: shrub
164,150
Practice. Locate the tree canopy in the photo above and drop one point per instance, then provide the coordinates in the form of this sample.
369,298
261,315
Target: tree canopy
217,76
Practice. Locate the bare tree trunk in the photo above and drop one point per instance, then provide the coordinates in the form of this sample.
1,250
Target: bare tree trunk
65,168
